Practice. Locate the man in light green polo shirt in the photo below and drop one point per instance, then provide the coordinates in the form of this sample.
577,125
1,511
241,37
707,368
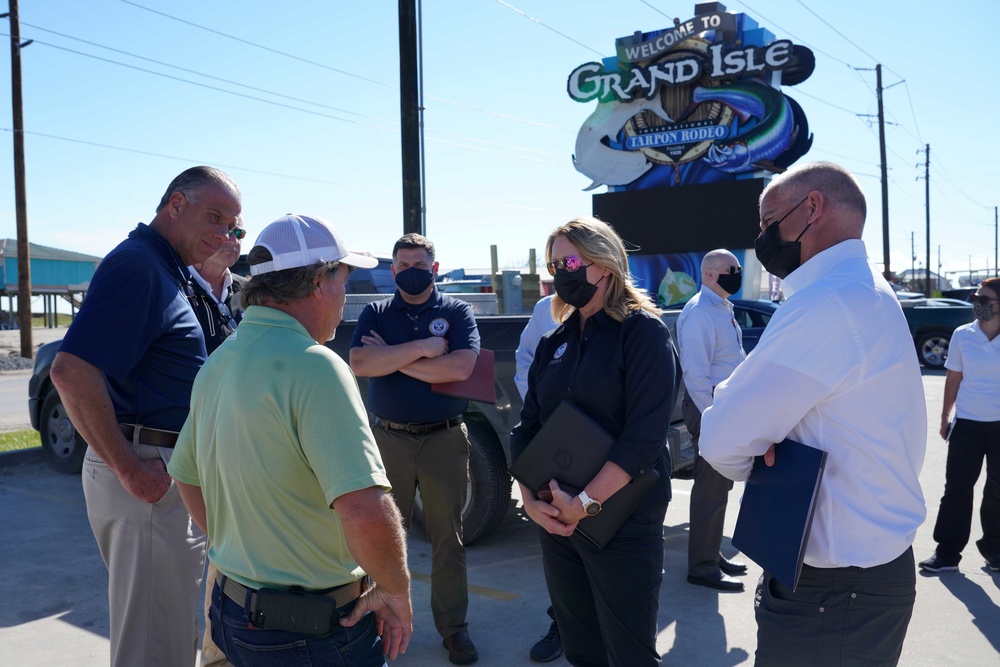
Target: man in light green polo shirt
277,464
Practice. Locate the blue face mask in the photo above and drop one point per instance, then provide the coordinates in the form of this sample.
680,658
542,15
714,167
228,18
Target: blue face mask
414,280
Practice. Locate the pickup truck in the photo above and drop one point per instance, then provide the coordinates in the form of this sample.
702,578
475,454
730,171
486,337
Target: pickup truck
489,425
932,321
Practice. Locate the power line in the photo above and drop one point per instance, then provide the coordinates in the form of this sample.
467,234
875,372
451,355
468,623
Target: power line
534,20
208,76
393,130
205,85
259,46
845,37
335,69
797,39
656,10
260,171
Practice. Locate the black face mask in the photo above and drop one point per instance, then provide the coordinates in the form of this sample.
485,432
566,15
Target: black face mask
573,287
414,280
730,282
776,256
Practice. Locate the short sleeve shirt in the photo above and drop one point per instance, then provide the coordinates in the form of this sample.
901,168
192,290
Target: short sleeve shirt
399,397
277,433
136,324
977,358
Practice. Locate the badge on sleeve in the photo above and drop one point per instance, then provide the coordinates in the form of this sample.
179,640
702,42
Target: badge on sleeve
560,351
438,326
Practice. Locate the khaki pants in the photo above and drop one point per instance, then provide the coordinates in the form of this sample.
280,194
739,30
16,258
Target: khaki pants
154,554
439,464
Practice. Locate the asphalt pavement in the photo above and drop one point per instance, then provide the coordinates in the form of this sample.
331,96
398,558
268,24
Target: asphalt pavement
53,585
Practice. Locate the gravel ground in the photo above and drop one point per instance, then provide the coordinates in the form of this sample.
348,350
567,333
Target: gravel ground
10,347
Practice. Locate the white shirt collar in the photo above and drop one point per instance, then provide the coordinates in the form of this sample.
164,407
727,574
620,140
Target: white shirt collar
822,263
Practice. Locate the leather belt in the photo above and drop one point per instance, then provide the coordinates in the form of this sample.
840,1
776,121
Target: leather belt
149,436
419,429
237,592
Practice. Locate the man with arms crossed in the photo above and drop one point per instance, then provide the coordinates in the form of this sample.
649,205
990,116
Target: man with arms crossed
124,372
261,468
835,369
405,343
711,346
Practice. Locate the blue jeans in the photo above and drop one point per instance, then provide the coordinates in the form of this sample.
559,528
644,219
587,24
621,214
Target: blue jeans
248,646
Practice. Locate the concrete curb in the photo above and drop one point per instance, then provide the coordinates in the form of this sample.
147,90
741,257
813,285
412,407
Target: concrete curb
19,456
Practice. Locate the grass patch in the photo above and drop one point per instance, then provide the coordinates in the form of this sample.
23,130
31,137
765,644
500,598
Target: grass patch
23,439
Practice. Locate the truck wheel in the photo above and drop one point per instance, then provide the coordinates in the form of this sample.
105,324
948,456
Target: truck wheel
60,441
932,349
488,494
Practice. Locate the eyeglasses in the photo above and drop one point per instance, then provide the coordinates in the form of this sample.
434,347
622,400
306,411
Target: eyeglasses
733,270
981,299
237,232
227,315
571,263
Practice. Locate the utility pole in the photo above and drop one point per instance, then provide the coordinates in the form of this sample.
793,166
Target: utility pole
411,117
20,192
885,176
913,258
927,198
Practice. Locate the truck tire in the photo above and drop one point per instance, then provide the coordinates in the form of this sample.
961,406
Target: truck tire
63,446
932,348
488,494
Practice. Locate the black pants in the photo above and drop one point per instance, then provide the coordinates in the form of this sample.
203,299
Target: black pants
970,443
709,499
606,600
836,617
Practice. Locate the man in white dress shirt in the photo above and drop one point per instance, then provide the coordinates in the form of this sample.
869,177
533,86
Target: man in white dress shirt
711,347
836,370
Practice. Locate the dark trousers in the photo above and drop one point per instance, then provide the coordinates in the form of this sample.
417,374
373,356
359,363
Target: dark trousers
438,463
606,600
970,443
709,498
836,617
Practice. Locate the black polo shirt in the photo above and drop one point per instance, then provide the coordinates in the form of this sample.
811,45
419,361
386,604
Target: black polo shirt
622,374
399,397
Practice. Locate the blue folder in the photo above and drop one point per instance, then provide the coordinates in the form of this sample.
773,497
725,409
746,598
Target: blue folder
777,509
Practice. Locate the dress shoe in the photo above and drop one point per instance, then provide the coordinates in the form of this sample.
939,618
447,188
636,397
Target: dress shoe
461,650
731,567
716,580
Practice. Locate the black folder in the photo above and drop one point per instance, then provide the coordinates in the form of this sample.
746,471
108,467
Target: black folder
571,448
777,510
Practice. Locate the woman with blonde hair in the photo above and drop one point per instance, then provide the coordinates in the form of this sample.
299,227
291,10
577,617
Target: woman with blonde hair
612,358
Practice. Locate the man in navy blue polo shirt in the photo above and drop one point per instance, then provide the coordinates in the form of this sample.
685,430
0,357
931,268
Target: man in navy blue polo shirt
124,372
404,344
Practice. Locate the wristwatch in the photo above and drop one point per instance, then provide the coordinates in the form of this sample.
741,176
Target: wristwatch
590,506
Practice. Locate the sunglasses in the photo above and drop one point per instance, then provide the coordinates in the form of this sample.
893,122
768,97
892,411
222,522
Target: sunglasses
981,299
571,263
238,232
733,270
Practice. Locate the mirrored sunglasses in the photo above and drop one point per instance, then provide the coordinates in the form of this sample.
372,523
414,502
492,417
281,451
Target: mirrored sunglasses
237,232
571,263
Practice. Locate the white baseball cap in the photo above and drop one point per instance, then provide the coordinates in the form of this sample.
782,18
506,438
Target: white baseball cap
299,240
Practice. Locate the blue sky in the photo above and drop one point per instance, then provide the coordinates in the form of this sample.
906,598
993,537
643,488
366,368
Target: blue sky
314,127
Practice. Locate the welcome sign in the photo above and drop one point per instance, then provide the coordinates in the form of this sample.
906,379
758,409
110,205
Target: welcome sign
699,102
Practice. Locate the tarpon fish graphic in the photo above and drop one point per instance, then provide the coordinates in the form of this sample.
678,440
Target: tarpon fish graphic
598,161
768,139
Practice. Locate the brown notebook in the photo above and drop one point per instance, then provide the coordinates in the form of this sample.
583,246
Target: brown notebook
571,448
480,386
